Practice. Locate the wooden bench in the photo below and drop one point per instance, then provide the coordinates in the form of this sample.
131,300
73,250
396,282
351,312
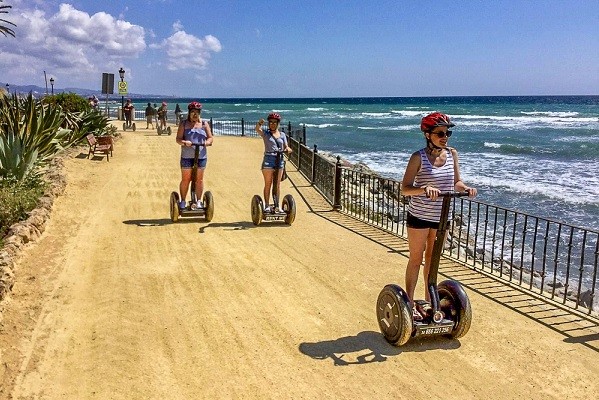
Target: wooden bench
100,144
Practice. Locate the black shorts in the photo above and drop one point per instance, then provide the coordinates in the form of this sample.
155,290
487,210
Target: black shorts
417,223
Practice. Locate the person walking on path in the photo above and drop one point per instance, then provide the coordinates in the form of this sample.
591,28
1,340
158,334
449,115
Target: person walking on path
431,170
149,116
275,142
191,131
177,114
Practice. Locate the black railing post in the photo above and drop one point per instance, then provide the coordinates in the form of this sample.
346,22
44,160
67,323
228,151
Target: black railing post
337,198
211,125
313,165
242,128
304,133
289,129
299,156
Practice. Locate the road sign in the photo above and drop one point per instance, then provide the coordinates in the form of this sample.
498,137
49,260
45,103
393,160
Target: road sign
122,88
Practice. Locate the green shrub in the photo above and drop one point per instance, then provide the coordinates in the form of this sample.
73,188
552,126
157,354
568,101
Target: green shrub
69,102
17,199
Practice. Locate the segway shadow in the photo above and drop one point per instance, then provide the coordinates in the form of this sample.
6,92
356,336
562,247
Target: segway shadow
192,210
449,312
287,211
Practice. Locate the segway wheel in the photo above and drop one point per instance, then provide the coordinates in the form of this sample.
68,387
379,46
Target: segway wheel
257,210
454,302
289,208
394,315
158,131
134,127
208,201
124,126
174,206
169,131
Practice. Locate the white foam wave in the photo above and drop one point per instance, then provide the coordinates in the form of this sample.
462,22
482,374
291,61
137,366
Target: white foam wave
315,109
320,126
526,122
493,145
561,114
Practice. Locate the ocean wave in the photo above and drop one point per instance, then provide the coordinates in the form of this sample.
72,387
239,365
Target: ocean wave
386,128
316,109
320,126
560,114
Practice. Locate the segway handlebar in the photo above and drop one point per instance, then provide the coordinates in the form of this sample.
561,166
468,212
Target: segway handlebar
453,194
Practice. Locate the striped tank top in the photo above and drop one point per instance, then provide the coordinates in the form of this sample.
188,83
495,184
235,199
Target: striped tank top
441,178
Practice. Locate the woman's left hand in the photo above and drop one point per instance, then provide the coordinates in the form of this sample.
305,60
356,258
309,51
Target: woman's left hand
471,191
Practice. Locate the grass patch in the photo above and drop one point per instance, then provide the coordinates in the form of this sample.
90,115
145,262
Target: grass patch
17,199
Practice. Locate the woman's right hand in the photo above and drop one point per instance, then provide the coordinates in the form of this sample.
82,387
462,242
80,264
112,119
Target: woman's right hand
431,192
261,122
186,143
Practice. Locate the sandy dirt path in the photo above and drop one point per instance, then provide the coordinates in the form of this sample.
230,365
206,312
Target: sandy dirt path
116,302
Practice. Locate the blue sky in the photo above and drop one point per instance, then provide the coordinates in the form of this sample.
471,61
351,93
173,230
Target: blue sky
308,48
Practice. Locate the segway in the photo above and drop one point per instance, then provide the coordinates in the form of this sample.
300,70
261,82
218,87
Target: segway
129,125
449,312
287,211
192,210
163,131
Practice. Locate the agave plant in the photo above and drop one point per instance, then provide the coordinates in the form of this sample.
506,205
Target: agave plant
5,30
29,133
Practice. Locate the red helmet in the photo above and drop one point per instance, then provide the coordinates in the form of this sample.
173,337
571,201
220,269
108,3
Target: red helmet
433,120
194,105
274,116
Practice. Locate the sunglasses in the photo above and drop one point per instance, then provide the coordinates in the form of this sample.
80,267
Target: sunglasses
443,134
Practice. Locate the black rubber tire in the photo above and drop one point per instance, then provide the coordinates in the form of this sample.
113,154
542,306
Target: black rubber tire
169,131
208,201
454,302
394,315
134,127
174,206
159,131
289,208
124,126
257,210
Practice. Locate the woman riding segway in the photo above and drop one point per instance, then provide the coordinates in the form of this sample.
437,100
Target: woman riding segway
273,165
193,131
431,173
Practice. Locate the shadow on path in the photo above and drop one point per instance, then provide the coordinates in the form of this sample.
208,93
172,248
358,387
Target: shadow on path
368,347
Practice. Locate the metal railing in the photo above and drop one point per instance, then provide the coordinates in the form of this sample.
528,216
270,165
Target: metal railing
546,257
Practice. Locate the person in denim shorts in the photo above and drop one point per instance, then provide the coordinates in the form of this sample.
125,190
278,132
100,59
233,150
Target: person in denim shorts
192,131
275,141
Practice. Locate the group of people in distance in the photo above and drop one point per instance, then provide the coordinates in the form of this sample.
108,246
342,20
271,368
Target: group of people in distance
194,130
432,170
152,114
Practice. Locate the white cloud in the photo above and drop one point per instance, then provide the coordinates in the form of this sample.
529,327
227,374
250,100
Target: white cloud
70,41
187,51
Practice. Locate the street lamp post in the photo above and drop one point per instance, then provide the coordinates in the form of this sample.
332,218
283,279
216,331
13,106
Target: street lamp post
122,75
52,85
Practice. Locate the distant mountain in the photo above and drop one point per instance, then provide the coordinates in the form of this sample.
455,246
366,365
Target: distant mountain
41,91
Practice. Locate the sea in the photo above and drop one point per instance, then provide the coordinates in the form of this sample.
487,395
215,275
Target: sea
533,154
